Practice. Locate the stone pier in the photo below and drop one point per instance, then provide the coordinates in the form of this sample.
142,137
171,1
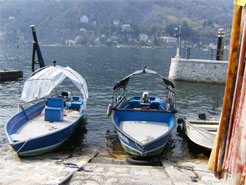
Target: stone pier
198,70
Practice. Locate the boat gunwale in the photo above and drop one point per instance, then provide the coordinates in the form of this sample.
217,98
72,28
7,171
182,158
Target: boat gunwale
200,122
193,124
23,117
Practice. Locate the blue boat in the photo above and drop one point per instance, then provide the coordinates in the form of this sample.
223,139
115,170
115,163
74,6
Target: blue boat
143,123
48,123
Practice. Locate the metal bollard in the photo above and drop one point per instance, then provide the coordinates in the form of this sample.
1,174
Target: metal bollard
220,45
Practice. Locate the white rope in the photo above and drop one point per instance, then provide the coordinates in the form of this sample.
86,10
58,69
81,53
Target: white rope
23,145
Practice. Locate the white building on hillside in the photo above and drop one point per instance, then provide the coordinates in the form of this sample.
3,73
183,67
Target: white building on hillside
126,27
84,19
143,37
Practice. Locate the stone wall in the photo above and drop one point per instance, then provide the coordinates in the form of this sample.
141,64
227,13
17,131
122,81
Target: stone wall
197,70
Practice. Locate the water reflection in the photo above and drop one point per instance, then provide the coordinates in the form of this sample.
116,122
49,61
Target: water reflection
195,98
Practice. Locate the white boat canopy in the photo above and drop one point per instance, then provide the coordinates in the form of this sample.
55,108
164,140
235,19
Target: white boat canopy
40,83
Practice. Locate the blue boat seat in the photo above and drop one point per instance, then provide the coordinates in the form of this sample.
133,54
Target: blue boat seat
76,103
55,102
154,105
144,104
54,109
135,104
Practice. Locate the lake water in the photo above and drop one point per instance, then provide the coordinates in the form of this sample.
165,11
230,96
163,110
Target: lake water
102,67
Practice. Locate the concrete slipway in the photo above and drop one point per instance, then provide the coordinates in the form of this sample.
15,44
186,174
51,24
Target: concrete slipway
94,166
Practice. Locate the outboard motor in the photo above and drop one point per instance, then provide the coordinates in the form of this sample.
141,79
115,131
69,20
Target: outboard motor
145,97
66,95
202,116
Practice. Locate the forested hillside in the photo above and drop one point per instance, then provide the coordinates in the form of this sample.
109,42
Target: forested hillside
61,20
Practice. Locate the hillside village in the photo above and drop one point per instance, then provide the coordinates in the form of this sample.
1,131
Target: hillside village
133,23
119,33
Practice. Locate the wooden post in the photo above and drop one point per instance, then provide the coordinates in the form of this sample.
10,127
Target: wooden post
220,44
36,49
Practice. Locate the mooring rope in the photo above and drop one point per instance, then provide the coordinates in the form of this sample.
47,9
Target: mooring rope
23,145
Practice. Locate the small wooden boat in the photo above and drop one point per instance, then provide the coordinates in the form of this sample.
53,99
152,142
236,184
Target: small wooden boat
47,124
201,132
143,124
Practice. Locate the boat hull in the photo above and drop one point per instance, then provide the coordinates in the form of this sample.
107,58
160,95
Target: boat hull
202,133
38,144
43,144
133,146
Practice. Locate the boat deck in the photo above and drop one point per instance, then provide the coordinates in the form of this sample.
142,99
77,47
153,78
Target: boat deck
144,131
38,126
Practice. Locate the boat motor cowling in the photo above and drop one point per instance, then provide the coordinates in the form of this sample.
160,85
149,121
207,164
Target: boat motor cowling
145,97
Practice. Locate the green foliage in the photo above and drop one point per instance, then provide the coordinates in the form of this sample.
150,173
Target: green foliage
170,29
157,41
57,21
